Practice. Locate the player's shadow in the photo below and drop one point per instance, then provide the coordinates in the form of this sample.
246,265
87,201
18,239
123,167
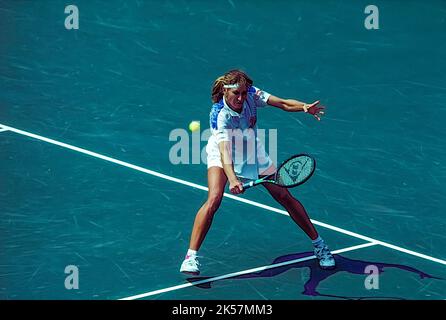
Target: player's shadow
317,275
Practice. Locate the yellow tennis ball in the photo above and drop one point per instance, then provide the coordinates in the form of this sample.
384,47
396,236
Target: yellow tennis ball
194,126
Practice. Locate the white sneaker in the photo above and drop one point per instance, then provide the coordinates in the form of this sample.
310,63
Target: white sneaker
190,265
323,254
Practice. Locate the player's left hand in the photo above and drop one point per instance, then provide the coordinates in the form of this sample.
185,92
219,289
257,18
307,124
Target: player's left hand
315,109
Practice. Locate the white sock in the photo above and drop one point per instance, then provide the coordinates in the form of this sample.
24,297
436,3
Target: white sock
318,241
191,253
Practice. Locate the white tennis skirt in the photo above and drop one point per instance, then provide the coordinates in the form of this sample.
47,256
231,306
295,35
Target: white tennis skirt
265,164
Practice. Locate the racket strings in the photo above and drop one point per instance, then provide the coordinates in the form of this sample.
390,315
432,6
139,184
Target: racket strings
295,170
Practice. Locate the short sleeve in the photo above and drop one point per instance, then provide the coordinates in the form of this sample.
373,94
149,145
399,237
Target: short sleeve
259,96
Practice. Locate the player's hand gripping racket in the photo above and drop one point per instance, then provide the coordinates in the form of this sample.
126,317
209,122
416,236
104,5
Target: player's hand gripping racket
291,173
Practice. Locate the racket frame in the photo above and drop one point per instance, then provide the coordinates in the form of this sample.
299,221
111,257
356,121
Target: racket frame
268,180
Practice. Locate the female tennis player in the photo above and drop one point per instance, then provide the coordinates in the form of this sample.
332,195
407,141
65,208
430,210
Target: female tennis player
234,113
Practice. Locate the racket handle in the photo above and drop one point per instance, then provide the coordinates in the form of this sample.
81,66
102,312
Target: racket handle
248,185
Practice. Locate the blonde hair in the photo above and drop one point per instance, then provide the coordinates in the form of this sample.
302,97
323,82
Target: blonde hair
231,77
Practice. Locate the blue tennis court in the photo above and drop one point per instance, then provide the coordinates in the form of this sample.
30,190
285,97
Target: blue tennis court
87,177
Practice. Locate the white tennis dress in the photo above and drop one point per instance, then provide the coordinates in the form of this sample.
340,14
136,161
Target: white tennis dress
248,153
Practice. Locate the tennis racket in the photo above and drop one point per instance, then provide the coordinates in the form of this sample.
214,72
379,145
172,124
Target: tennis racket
291,173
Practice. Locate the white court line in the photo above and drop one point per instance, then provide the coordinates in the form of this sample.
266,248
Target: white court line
3,129
239,273
237,198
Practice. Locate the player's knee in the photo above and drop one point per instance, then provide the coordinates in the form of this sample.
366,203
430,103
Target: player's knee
214,201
